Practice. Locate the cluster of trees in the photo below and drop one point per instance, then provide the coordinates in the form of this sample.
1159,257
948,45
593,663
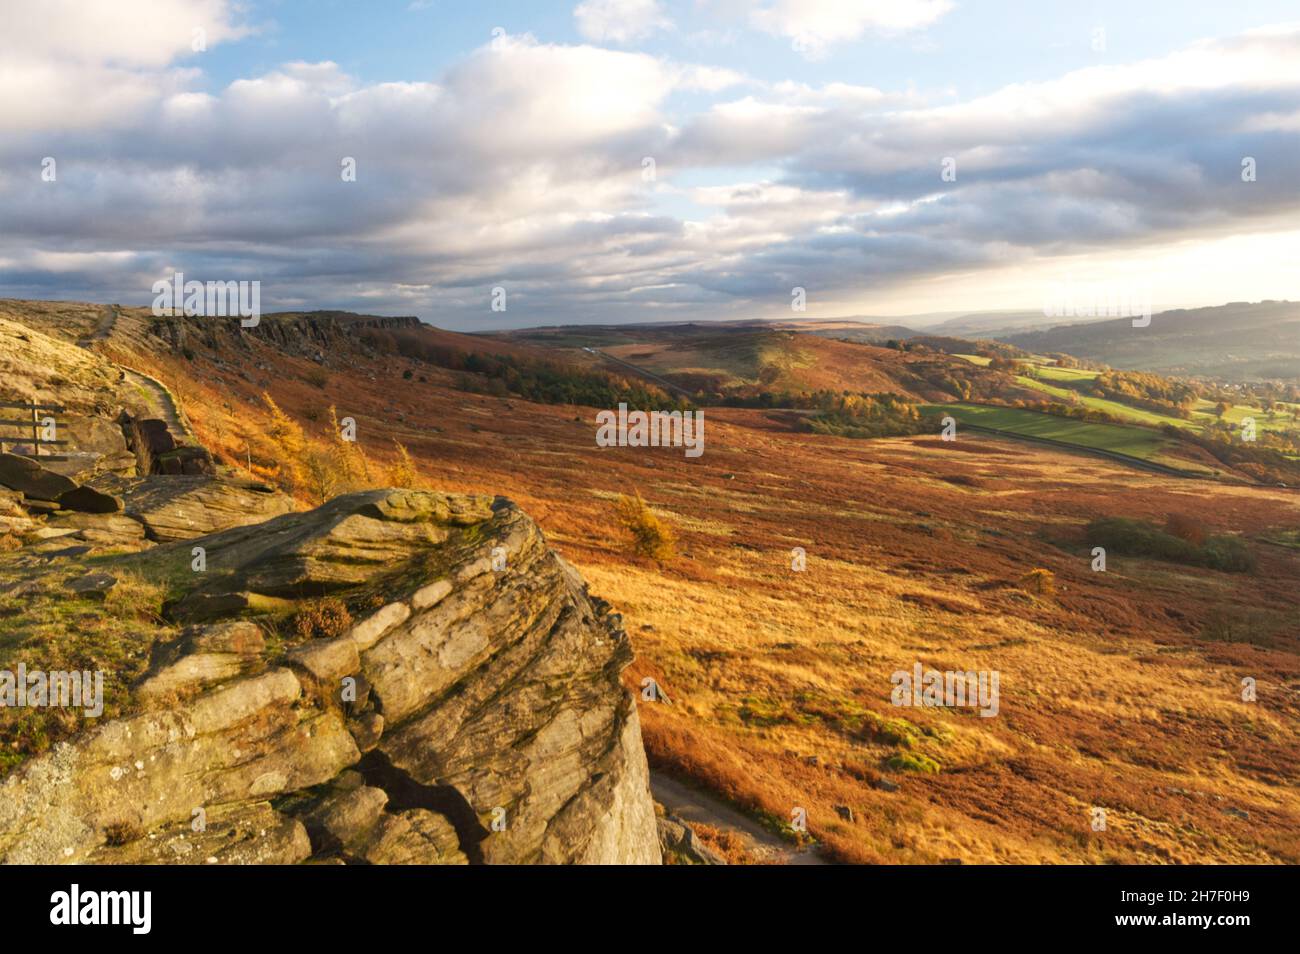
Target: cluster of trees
1148,391
945,344
1271,458
865,415
1079,412
1009,365
554,383
1062,360
317,469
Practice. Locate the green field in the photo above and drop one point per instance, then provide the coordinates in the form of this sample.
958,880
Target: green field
1202,412
1063,384
1049,373
1124,411
1140,442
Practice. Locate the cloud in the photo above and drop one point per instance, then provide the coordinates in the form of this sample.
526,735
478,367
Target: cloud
142,33
814,26
83,63
522,165
620,21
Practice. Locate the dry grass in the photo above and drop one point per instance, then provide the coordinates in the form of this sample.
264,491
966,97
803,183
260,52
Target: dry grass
779,680
135,598
726,844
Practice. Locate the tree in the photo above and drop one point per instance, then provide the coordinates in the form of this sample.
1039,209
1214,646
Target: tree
290,446
403,472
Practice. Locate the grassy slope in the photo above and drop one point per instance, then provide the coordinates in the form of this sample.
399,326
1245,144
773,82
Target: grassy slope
1063,384
779,680
1133,441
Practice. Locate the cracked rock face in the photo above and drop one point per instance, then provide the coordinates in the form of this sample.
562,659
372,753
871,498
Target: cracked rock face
464,707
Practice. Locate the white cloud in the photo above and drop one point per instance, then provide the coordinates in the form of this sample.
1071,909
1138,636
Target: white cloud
813,26
522,165
620,21
68,64
141,33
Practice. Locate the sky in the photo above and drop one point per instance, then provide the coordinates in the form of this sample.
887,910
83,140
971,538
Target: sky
649,160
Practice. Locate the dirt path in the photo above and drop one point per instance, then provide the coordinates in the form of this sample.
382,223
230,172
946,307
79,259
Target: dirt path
163,404
692,805
107,322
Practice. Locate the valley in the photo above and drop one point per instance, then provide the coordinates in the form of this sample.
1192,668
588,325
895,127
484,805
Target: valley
1120,689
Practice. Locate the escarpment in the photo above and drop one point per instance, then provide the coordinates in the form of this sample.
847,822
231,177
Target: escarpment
395,677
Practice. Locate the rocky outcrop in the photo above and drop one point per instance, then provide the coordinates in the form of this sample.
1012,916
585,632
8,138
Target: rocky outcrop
311,335
175,508
409,677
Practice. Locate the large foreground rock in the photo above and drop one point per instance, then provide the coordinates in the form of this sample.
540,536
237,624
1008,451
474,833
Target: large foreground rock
475,673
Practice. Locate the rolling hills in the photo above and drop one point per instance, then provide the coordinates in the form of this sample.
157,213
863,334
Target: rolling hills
1121,689
1234,342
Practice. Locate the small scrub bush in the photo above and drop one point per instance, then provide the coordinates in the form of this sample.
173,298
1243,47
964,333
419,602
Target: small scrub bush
897,732
1230,625
1186,528
651,537
121,833
1136,538
321,619
912,762
1039,582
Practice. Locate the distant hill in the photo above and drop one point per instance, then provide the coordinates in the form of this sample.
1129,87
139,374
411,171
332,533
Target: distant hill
1240,341
744,360
863,330
991,324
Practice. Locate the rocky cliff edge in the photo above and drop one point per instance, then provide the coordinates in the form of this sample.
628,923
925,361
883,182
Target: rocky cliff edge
395,677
